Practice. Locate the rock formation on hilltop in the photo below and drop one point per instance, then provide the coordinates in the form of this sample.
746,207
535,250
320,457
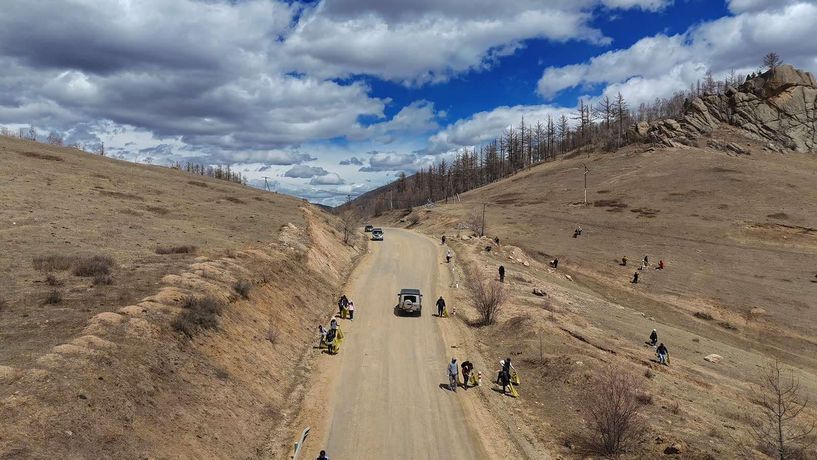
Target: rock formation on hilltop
778,106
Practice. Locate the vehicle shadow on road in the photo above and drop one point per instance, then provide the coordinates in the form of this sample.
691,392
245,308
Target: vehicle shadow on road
400,314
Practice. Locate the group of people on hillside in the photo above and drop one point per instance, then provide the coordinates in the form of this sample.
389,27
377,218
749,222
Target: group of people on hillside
645,264
661,352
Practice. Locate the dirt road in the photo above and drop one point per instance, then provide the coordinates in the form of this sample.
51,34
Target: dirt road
387,395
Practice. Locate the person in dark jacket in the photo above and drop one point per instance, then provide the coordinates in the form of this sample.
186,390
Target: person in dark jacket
467,367
501,273
331,336
555,262
653,337
322,456
440,306
663,354
635,278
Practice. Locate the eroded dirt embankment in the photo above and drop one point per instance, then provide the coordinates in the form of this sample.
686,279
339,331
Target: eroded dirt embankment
133,387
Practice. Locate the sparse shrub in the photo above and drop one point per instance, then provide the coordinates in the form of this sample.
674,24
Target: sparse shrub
272,334
158,210
487,297
52,280
235,200
703,315
612,407
3,304
93,266
243,288
183,249
221,373
649,373
728,326
53,297
52,263
674,408
413,219
103,280
644,398
199,313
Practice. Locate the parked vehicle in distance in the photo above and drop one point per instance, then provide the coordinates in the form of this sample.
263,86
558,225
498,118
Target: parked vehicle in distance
410,301
368,228
377,234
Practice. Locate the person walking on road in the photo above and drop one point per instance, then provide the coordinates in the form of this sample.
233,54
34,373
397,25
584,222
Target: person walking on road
443,239
635,278
322,456
453,372
653,337
501,273
448,257
440,306
351,309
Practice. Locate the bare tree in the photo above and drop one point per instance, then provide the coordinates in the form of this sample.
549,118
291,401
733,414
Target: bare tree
475,222
54,139
611,407
486,296
782,430
772,61
349,221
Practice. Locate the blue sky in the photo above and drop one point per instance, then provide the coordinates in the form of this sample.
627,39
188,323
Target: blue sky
335,97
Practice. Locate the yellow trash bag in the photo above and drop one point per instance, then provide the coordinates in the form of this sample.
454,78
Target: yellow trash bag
514,393
515,378
473,379
339,336
445,312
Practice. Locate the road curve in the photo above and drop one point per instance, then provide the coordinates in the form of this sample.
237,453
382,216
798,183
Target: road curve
387,397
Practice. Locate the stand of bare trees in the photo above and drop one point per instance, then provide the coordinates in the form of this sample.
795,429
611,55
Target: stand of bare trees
217,172
601,126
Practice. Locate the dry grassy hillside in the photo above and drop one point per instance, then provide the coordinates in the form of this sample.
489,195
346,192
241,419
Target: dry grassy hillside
147,312
738,235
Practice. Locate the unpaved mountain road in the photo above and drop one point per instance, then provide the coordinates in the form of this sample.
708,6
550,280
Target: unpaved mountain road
382,395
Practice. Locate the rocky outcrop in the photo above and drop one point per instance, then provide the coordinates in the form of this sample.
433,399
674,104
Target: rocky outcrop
779,107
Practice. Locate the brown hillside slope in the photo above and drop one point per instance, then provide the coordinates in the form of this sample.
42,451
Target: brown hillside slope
102,373
738,235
